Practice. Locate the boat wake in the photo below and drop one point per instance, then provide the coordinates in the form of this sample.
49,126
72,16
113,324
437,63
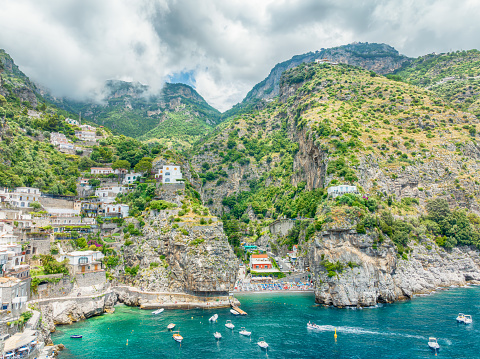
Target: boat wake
354,330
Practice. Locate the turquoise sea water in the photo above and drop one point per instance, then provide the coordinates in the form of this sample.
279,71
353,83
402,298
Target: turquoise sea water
398,330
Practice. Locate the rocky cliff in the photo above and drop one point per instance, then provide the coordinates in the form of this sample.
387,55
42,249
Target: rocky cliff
349,271
183,256
60,312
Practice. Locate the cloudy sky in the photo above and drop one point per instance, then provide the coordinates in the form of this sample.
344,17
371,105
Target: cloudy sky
222,47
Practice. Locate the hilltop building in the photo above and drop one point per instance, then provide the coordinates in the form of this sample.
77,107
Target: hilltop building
336,191
169,174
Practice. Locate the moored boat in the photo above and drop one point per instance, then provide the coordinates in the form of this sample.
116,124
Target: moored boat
170,326
229,324
213,318
158,311
76,336
468,319
234,312
244,332
177,337
217,335
433,344
262,343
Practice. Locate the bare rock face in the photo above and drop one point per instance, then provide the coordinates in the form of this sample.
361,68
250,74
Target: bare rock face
190,258
69,311
367,276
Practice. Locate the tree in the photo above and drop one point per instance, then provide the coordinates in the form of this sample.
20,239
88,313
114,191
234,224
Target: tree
144,166
86,163
121,164
94,182
438,209
35,205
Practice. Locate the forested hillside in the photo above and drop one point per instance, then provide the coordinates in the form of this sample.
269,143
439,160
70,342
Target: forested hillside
176,117
26,123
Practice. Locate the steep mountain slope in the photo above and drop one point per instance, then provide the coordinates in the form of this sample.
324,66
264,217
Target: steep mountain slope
380,58
401,146
454,76
177,117
14,84
413,159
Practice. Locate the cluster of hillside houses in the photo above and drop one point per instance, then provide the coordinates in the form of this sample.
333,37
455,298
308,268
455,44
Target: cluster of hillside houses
84,133
31,221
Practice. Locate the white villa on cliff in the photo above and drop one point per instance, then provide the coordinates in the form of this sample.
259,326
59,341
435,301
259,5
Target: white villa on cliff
336,191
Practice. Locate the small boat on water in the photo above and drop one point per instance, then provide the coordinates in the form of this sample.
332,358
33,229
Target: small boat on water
461,318
177,337
213,318
432,344
76,336
262,343
468,319
234,312
229,324
217,335
158,311
244,332
170,326
312,326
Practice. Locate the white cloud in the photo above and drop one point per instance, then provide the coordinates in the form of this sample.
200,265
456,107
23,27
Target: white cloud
72,46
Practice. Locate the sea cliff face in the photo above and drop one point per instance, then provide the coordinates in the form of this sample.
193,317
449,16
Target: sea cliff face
187,257
367,276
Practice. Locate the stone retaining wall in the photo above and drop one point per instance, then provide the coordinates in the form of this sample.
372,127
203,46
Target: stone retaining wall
154,300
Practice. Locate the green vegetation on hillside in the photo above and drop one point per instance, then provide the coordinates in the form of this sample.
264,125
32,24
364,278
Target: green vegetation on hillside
454,76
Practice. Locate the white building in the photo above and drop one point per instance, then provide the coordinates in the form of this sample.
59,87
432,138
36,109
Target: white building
3,260
16,257
170,174
325,61
6,234
336,191
116,210
84,261
101,171
63,212
72,122
13,295
86,135
108,194
131,177
88,128
23,196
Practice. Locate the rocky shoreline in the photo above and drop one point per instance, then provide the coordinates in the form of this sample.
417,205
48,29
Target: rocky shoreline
367,275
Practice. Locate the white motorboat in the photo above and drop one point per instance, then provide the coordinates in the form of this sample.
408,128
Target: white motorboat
262,343
468,319
177,337
217,335
158,311
170,326
229,324
312,326
234,312
432,343
244,332
213,318
461,318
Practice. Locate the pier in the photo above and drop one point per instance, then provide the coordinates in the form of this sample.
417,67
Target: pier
241,312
